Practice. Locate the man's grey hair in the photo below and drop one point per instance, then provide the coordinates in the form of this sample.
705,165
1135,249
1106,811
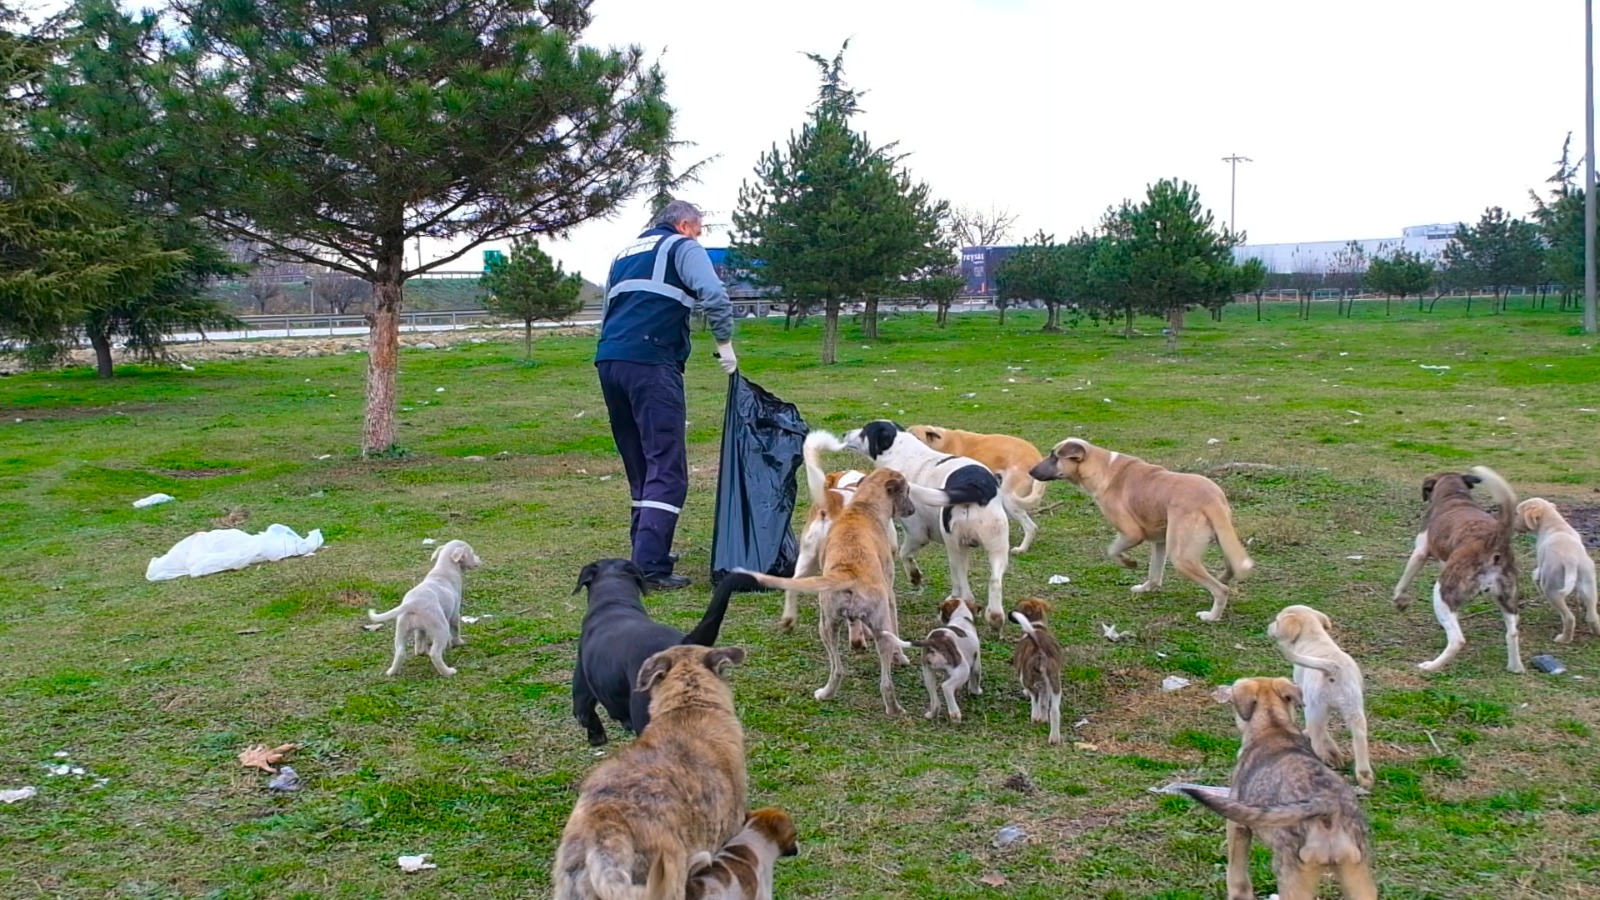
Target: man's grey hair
675,212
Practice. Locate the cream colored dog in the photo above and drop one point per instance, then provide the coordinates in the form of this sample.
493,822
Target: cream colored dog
430,613
1563,567
1329,680
1177,512
1007,456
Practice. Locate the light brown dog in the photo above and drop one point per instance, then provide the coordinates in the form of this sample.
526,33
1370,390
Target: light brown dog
743,870
857,580
1475,548
1178,513
677,790
1007,456
830,493
1329,681
1037,659
951,650
1301,808
1563,566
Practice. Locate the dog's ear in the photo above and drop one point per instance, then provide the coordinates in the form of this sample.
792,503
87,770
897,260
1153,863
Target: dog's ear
1471,480
948,609
880,436
1289,627
1528,515
1327,623
654,669
973,608
1289,692
1073,450
586,577
1244,699
933,435
721,658
1427,487
460,554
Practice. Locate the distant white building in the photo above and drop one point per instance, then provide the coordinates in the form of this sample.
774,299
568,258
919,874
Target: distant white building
1316,257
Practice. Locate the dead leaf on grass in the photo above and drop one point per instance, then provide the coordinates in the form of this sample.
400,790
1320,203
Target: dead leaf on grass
259,756
993,879
235,517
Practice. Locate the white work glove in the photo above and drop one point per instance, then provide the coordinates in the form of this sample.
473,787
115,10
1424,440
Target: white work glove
725,358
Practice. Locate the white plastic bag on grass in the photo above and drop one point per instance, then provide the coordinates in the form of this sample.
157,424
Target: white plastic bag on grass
205,552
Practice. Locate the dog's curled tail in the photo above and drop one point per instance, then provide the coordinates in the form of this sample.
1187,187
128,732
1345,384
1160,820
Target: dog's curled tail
814,584
376,616
1284,816
1020,619
894,639
816,444
1233,551
1502,494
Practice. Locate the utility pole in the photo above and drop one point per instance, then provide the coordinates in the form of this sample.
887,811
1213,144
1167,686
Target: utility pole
1588,175
1233,186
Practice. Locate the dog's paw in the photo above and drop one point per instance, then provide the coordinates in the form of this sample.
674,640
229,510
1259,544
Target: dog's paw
1562,638
1018,550
897,710
597,739
1430,666
955,715
1126,561
448,671
1206,615
931,713
1400,601
1365,779
1054,739
786,623
1141,588
822,693
1516,668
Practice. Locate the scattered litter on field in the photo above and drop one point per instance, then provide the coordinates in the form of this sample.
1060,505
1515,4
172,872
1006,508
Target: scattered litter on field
1080,723
1435,368
1085,747
206,552
1113,635
1548,664
1356,556
1213,441
605,477
438,390
969,395
287,779
152,500
993,879
1174,683
186,367
580,414
470,620
429,542
19,794
325,456
372,627
1352,412
1008,836
248,631
1105,399
888,371
61,754
1223,694
1060,579
416,863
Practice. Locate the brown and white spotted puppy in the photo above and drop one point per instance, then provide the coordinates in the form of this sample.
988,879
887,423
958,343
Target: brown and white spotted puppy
1298,806
1037,659
1475,549
743,870
952,651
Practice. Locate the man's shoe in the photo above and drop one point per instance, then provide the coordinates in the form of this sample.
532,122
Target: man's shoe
672,557
668,582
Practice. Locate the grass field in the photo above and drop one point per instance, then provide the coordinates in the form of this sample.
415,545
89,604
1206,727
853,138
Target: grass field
1488,783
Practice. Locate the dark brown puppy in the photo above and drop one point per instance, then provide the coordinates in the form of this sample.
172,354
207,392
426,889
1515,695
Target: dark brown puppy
1475,548
677,790
1302,809
743,870
1037,659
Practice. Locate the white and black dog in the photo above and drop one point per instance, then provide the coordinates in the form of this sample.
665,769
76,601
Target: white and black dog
958,501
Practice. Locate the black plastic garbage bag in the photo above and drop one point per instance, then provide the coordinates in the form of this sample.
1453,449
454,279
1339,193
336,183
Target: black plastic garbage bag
762,439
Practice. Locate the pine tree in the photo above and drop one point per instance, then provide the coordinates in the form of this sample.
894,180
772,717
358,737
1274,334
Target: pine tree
531,287
1171,253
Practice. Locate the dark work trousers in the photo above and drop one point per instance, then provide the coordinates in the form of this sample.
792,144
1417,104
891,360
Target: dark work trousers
646,405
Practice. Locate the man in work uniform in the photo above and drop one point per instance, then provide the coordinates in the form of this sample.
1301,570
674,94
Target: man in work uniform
644,340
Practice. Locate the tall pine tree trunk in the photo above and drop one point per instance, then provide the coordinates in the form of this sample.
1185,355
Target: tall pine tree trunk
527,339
1258,307
1002,308
943,318
869,319
1127,329
1052,321
383,353
830,332
101,342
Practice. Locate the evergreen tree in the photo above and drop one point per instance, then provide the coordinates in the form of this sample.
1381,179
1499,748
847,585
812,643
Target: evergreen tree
531,287
1401,274
1171,253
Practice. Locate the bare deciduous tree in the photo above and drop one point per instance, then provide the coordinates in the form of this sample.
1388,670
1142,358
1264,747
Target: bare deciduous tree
972,227
339,292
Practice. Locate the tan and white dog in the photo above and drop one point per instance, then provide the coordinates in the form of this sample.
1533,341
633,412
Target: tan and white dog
743,869
1475,548
1329,680
1178,512
1038,659
951,650
830,493
430,613
1563,567
1007,456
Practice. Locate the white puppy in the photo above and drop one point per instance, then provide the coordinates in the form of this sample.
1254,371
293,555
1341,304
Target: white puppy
431,612
1562,566
957,500
1329,680
952,650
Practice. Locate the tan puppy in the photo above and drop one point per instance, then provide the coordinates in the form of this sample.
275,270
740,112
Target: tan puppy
1301,808
1475,548
1563,566
830,493
430,613
1037,659
1007,456
952,650
743,870
1329,680
677,790
1177,512
857,580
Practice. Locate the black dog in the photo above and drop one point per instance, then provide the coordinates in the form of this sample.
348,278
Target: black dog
618,636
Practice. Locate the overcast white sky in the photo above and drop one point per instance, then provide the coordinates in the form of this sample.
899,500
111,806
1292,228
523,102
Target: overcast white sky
1362,117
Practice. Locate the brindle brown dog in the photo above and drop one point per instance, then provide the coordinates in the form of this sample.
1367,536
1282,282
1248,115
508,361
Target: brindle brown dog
743,870
1037,659
1301,808
677,790
857,580
1475,548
